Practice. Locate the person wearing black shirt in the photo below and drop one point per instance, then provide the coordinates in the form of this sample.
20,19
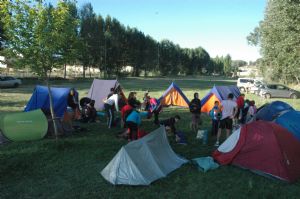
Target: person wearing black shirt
170,123
195,109
132,101
111,92
72,102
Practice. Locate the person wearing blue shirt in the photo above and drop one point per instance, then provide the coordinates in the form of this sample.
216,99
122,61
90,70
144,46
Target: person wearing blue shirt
133,121
215,114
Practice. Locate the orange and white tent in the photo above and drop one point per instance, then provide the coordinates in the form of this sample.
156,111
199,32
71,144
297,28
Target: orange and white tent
174,96
218,93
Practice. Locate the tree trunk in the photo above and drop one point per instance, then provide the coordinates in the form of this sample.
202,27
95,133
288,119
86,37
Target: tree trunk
145,72
298,80
51,108
83,71
136,72
100,71
90,72
65,71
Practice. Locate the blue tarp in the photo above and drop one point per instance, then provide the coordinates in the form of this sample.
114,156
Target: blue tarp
271,111
291,121
221,92
40,99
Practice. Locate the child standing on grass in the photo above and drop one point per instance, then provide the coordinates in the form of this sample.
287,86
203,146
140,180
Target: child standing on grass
251,111
215,114
146,101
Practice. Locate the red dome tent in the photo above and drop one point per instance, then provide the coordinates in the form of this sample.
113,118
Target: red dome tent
263,147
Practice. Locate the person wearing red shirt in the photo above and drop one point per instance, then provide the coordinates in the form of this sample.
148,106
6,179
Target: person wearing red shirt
240,105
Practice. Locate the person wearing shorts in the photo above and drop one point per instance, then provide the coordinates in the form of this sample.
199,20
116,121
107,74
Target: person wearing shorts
229,110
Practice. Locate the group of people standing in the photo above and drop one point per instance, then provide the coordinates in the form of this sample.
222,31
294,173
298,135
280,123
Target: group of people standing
230,113
130,115
224,116
132,111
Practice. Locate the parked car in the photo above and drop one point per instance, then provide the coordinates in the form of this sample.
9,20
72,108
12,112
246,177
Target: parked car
7,82
244,83
255,89
278,90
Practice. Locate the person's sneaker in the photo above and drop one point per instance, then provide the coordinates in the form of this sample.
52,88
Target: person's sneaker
217,144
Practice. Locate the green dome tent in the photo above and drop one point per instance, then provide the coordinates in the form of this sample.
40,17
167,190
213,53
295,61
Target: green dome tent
24,126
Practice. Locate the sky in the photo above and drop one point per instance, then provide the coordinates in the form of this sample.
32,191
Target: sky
218,26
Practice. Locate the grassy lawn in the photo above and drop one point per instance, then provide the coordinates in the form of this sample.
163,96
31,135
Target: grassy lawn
70,167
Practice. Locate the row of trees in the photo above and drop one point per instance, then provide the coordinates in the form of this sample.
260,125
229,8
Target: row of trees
278,36
110,46
42,37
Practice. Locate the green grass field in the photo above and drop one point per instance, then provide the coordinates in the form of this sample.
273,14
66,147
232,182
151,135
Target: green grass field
70,167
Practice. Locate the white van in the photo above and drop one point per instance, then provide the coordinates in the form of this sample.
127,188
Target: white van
245,83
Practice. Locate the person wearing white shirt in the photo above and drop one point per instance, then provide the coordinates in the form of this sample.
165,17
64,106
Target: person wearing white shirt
108,106
229,110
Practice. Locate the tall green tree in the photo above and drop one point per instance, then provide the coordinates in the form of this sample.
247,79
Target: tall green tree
100,41
136,50
88,31
236,64
227,65
34,36
202,59
67,10
218,64
2,38
150,52
278,37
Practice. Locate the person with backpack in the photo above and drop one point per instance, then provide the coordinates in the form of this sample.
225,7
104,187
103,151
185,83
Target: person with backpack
195,109
155,108
215,115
